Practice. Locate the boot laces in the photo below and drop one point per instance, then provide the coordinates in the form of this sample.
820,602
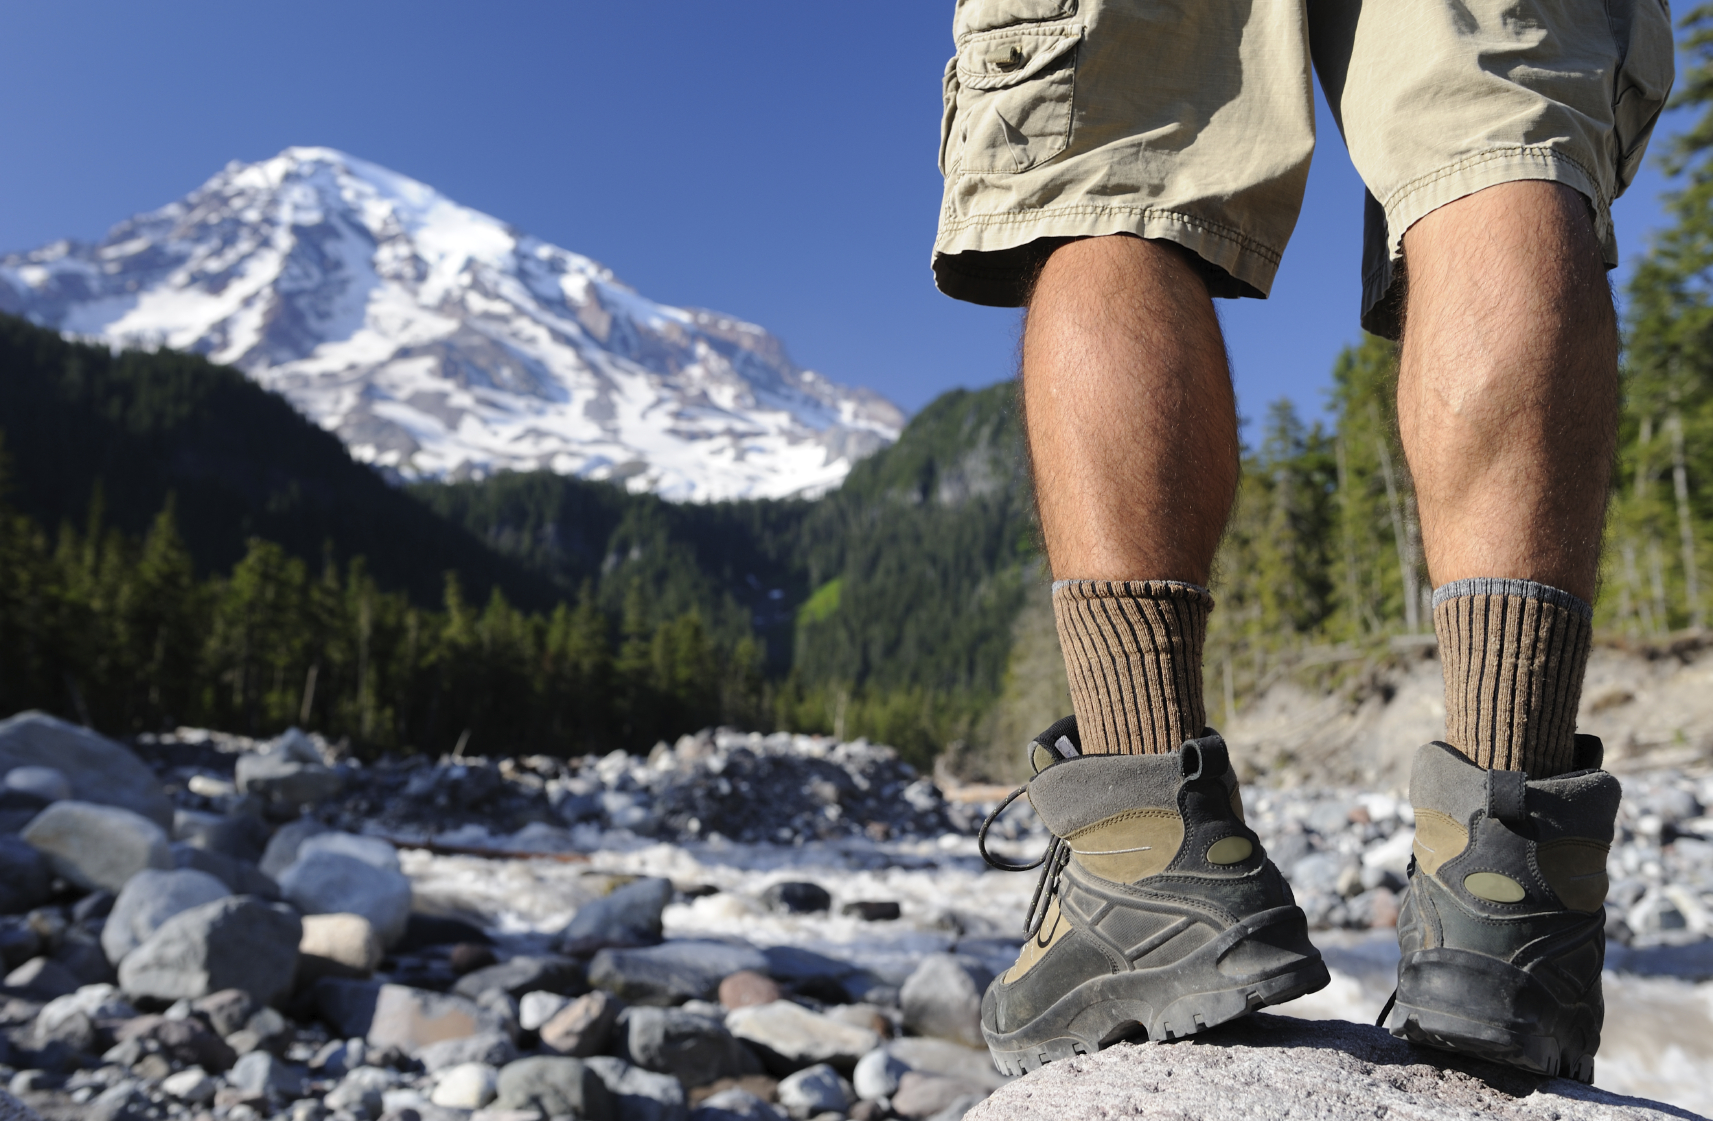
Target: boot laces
1052,864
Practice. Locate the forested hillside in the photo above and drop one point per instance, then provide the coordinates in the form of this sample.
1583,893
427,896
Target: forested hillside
83,425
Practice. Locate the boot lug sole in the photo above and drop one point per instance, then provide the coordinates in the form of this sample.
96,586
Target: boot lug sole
1107,1010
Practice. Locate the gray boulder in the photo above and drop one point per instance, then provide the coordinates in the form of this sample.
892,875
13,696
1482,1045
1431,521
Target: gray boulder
693,1049
370,850
231,943
814,1090
97,846
45,784
1325,1070
242,877
100,770
282,847
627,916
325,883
790,1037
150,898
493,1048
672,972
526,974
637,1094
26,881
41,979
286,781
943,998
11,1109
555,1086
400,1016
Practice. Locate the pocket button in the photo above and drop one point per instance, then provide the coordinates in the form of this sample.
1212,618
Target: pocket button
1007,62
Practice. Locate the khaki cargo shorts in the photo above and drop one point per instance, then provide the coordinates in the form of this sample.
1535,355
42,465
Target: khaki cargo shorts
1193,121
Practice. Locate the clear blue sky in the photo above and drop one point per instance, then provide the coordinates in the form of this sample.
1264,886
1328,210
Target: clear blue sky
773,158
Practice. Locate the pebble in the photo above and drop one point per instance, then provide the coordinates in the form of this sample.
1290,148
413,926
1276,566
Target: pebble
814,1090
192,1085
747,987
466,1086
337,945
536,1008
583,1026
877,1074
797,897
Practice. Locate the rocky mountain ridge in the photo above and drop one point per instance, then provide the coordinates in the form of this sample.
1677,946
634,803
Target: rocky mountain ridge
437,341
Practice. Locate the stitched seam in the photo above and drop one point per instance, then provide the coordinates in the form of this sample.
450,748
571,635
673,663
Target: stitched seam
1536,151
1215,229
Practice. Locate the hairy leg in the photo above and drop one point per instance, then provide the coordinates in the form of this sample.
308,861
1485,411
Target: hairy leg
1129,409
1507,404
1133,437
1508,386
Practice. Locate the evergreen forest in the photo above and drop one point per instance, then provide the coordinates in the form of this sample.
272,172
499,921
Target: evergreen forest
179,547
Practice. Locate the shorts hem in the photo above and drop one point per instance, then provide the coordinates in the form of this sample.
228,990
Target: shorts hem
1420,197
961,247
1423,195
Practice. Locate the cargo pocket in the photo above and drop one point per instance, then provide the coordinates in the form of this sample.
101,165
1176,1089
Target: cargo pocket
949,114
1013,99
1642,29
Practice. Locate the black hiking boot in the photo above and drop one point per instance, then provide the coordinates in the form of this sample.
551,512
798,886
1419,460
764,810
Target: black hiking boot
1502,931
1157,910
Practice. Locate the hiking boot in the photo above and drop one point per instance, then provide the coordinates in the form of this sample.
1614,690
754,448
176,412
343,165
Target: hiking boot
1157,910
1503,930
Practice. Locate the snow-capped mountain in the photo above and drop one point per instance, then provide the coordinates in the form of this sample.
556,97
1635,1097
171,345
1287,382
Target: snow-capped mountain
439,342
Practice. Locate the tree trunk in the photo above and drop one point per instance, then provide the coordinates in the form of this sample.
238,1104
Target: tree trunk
1685,530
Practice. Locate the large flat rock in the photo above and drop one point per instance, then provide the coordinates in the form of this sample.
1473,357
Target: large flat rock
1325,1070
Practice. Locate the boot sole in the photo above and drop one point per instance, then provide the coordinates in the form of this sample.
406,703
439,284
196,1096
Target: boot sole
1473,1004
1169,1002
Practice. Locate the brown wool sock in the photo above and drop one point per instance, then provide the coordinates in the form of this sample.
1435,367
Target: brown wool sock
1133,655
1513,652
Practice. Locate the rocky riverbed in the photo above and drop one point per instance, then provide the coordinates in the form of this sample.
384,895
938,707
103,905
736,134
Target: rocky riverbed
733,926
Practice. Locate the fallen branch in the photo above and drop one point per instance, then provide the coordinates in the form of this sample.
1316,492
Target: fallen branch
485,853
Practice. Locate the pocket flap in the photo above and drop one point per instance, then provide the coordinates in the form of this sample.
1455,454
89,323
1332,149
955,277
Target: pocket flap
976,16
1005,58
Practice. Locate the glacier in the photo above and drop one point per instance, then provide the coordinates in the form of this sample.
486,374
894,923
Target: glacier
439,342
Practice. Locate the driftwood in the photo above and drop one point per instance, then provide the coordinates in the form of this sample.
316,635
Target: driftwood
485,853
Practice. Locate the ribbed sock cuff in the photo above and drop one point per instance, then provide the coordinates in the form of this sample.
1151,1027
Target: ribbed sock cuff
1133,654
1513,653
